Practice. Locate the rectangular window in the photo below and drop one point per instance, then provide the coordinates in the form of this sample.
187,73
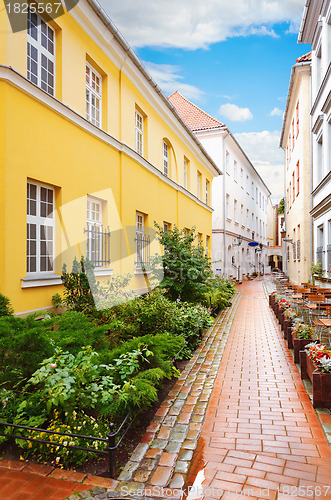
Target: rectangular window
298,178
297,118
256,195
235,170
235,215
242,222
40,229
293,136
185,172
242,177
93,96
165,159
227,211
40,53
207,191
139,127
199,184
227,162
207,245
247,218
142,243
293,186
97,238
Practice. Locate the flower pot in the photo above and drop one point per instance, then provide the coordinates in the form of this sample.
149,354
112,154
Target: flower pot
298,345
287,332
321,381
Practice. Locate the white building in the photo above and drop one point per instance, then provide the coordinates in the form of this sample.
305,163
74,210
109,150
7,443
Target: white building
239,196
316,29
295,141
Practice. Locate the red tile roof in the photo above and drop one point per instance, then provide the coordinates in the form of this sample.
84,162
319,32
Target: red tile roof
193,116
304,58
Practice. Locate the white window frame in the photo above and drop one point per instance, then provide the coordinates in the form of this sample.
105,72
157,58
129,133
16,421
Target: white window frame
139,128
165,160
198,184
185,172
40,213
94,220
140,227
40,51
207,191
93,99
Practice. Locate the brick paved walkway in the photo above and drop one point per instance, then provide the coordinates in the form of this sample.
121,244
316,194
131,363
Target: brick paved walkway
261,437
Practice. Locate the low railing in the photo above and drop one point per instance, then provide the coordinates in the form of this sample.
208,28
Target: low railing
98,244
110,440
143,242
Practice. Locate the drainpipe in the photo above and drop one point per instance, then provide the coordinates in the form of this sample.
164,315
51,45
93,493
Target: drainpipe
224,206
311,166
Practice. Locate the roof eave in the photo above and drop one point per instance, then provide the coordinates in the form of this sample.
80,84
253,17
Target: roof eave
126,47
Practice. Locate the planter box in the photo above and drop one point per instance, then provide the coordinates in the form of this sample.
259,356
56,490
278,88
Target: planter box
287,332
298,345
321,381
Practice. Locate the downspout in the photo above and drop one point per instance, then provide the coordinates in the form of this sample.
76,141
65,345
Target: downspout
311,159
224,205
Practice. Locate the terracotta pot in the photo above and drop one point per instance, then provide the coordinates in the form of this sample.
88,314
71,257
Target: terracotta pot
321,381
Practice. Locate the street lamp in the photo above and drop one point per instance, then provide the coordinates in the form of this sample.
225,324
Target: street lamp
239,242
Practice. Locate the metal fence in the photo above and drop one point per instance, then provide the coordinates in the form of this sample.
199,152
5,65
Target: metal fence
98,244
110,440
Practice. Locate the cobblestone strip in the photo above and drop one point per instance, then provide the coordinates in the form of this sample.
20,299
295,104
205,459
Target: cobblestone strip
163,456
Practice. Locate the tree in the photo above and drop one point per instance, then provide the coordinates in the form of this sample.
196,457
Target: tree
281,206
186,267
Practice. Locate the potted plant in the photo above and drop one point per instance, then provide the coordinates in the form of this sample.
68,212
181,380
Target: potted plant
301,336
316,271
289,315
315,363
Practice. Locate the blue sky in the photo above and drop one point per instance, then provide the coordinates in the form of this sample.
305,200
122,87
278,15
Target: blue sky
232,59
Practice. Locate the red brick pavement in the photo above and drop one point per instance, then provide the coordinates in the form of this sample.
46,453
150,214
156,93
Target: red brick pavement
261,437
19,481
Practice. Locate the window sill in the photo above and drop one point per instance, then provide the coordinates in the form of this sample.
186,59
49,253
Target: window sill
103,271
41,280
138,272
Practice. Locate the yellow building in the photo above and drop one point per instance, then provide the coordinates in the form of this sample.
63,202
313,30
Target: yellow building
92,153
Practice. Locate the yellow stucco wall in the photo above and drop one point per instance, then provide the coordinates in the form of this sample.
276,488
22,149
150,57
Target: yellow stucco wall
43,141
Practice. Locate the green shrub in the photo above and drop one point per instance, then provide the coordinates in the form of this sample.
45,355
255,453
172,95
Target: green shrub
5,306
73,330
24,343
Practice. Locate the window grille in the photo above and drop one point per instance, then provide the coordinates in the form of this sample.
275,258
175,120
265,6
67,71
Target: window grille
294,246
319,254
298,249
328,252
143,242
98,244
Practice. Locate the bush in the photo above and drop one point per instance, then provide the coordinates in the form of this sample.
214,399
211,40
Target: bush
5,306
218,295
184,266
24,343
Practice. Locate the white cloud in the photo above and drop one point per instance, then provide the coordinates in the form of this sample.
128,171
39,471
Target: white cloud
234,113
169,80
276,112
262,148
261,31
193,24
